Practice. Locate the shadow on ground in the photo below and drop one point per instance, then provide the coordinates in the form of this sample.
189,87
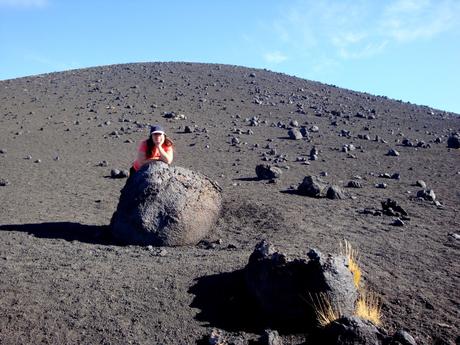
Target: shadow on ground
224,303
94,234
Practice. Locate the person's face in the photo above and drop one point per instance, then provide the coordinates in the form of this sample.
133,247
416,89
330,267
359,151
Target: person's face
158,137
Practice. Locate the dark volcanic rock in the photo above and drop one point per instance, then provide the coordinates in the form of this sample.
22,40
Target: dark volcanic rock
270,337
401,337
286,290
420,183
189,129
159,206
295,134
115,173
426,194
391,208
312,186
354,184
453,141
352,331
334,192
393,153
267,172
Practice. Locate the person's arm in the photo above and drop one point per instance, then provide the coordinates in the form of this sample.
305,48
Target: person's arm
166,156
141,155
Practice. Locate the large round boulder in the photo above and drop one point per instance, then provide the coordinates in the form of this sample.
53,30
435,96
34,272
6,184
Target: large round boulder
166,206
287,290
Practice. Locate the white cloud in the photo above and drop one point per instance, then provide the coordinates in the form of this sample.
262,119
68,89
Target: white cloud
23,3
366,51
275,57
409,20
358,29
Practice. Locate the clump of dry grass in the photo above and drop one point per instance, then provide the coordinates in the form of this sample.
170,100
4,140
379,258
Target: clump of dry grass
326,312
353,261
369,306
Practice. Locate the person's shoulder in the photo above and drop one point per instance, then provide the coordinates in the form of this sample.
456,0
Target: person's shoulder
167,147
142,145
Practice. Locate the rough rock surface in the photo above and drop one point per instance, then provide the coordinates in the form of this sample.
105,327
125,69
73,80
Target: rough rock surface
295,134
286,290
159,206
267,172
312,186
335,192
352,330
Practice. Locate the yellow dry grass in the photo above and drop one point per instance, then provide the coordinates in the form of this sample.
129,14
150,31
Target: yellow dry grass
353,261
326,312
369,306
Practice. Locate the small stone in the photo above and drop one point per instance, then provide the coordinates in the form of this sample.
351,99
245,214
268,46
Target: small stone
420,183
217,338
295,134
4,182
396,176
38,161
381,185
271,337
393,153
294,123
397,222
235,141
103,163
354,184
189,129
334,193
454,236
114,173
426,194
3,151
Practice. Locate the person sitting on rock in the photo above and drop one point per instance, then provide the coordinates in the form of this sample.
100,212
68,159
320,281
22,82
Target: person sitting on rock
157,147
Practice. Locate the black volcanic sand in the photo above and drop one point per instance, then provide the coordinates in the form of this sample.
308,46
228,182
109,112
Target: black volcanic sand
62,280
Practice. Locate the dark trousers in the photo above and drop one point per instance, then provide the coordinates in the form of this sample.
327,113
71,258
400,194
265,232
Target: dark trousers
132,171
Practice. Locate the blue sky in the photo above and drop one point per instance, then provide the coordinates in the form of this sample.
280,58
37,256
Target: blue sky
403,49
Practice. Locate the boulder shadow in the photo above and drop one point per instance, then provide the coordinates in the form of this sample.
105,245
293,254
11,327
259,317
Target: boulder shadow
69,231
290,191
224,303
247,179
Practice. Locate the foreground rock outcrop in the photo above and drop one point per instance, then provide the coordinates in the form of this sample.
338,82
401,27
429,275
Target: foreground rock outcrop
288,290
354,330
167,206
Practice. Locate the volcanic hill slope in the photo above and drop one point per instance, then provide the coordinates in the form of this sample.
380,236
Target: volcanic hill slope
62,281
